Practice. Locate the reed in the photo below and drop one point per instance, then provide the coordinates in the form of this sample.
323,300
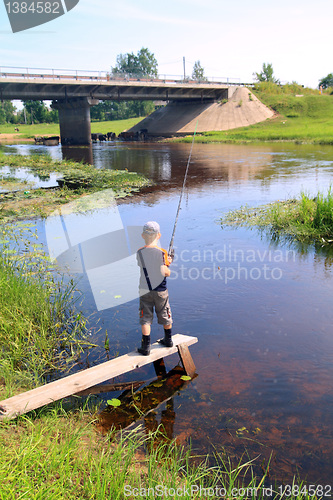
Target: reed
41,331
305,219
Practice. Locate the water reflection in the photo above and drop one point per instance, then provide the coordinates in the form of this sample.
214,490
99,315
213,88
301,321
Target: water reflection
79,154
211,163
321,252
29,180
144,403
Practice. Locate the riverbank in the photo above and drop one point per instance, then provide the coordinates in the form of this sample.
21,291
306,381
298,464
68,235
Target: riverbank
58,453
40,328
302,116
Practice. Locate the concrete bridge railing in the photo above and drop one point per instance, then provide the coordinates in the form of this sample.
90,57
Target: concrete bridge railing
105,76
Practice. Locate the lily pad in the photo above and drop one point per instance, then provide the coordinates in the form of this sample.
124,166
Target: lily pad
114,402
185,377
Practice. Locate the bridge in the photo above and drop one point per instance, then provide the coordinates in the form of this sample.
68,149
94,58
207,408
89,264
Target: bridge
73,93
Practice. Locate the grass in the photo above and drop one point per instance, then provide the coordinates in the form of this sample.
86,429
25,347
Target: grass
40,328
306,219
51,129
58,454
61,456
79,179
58,451
303,116
304,119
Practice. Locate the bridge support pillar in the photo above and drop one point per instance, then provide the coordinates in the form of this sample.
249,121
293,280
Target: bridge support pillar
74,120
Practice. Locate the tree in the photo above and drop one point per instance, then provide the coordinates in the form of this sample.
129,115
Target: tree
327,81
266,75
7,112
120,110
142,65
198,72
37,112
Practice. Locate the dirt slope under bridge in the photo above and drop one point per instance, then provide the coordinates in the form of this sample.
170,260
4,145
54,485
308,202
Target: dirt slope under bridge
243,108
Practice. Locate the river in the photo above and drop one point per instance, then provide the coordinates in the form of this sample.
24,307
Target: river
261,309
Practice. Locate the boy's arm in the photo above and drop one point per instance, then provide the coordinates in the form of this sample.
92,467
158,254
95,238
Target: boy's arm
166,263
165,271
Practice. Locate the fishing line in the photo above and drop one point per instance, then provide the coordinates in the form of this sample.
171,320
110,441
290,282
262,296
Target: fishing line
170,251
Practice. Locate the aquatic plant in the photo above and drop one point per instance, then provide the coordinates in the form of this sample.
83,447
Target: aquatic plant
76,179
305,219
73,174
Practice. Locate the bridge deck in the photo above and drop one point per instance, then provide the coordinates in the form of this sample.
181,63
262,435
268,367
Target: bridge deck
59,87
35,398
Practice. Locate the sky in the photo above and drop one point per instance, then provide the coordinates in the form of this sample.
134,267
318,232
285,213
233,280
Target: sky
231,39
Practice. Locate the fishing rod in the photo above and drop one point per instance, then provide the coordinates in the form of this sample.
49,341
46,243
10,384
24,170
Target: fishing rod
171,250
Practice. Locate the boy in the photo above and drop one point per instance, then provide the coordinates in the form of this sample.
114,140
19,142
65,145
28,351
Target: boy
154,266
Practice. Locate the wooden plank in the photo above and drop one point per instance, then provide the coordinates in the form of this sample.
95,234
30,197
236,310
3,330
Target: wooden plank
186,359
99,389
45,394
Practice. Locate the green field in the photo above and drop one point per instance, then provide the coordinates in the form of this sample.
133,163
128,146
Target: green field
50,129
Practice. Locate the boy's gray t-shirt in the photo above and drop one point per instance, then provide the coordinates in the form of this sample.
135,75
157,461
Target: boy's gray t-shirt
150,260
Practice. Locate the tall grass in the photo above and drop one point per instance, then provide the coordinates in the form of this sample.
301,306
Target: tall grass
306,219
40,330
60,456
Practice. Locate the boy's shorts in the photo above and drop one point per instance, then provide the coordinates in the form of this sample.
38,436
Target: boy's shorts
159,300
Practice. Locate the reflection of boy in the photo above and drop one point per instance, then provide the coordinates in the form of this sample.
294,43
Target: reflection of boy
154,266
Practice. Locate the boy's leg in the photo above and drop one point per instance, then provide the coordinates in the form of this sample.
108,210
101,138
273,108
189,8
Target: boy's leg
145,329
146,318
167,341
164,316
145,342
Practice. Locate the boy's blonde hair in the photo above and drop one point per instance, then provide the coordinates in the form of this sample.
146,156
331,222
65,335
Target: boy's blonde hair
149,238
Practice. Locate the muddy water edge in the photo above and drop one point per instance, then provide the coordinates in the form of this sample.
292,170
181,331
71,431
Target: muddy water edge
261,309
